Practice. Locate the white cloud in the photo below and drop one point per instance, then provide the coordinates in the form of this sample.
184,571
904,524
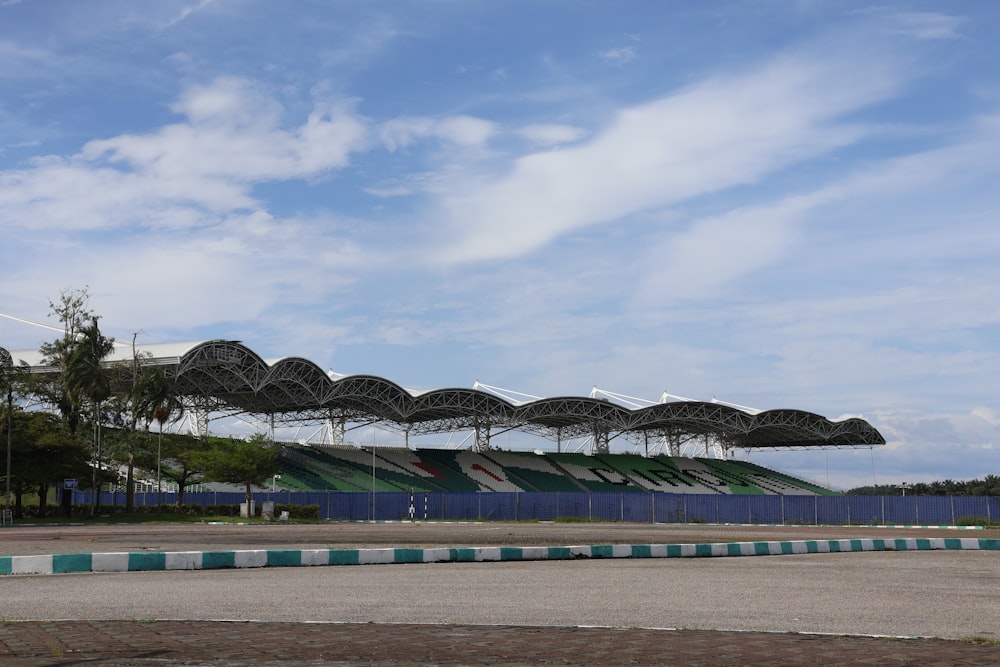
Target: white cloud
987,415
927,25
723,132
234,270
401,133
705,259
937,444
465,130
187,11
231,139
710,255
619,55
551,134
233,133
419,182
24,61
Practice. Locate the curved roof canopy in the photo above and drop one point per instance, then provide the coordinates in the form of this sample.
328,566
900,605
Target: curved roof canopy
227,375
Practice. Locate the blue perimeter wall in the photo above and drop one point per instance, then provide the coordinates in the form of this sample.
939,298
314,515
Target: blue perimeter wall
613,506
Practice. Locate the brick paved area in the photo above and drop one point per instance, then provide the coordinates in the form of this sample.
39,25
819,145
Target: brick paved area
127,643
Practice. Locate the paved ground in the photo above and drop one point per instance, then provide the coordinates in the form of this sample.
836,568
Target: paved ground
127,643
26,540
183,642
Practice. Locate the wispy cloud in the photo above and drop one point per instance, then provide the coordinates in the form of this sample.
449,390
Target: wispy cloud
697,141
187,11
619,55
927,25
401,133
551,134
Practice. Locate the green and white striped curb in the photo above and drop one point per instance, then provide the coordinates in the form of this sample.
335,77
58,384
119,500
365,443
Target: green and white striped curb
923,527
212,560
853,526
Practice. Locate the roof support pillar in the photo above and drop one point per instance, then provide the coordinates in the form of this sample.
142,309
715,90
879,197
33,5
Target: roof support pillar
602,442
336,427
197,418
673,443
482,437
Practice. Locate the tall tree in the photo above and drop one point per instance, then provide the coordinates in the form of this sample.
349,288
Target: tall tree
7,395
156,400
88,380
130,407
46,453
180,460
73,311
249,462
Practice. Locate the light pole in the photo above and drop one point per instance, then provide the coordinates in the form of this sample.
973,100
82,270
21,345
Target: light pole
7,362
274,482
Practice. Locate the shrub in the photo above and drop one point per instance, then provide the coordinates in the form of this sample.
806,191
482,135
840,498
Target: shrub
298,511
973,520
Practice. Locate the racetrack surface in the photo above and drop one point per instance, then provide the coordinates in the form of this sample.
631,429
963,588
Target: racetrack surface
707,611
29,540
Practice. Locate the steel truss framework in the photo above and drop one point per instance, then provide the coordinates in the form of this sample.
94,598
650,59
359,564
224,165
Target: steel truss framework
222,376
228,376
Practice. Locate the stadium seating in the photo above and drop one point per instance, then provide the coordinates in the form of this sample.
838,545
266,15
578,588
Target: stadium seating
297,477
593,473
703,474
490,475
454,476
779,482
393,466
654,474
334,474
532,472
429,470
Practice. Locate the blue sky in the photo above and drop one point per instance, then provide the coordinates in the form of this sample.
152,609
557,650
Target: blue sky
779,204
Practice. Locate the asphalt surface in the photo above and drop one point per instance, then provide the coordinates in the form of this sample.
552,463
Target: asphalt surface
25,540
792,609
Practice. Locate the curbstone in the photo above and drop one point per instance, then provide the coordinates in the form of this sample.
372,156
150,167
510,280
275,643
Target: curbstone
258,558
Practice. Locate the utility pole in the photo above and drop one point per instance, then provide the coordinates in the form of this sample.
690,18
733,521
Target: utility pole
7,364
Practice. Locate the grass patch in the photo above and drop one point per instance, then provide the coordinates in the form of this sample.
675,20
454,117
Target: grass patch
982,641
971,520
152,518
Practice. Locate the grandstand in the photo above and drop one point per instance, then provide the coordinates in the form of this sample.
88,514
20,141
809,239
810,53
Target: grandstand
221,377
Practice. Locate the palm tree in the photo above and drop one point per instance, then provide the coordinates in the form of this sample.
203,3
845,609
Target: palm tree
87,378
157,401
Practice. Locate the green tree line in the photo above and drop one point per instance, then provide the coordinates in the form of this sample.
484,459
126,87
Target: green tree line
89,418
987,486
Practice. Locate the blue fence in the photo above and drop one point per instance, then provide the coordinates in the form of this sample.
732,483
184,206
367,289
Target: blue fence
634,507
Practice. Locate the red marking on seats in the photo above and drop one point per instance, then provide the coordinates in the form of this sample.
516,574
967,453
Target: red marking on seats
430,468
476,466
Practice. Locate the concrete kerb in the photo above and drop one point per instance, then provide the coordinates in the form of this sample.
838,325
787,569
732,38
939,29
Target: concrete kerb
258,558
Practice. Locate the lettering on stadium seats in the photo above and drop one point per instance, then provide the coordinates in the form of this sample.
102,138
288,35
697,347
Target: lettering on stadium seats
621,481
717,478
656,476
708,479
